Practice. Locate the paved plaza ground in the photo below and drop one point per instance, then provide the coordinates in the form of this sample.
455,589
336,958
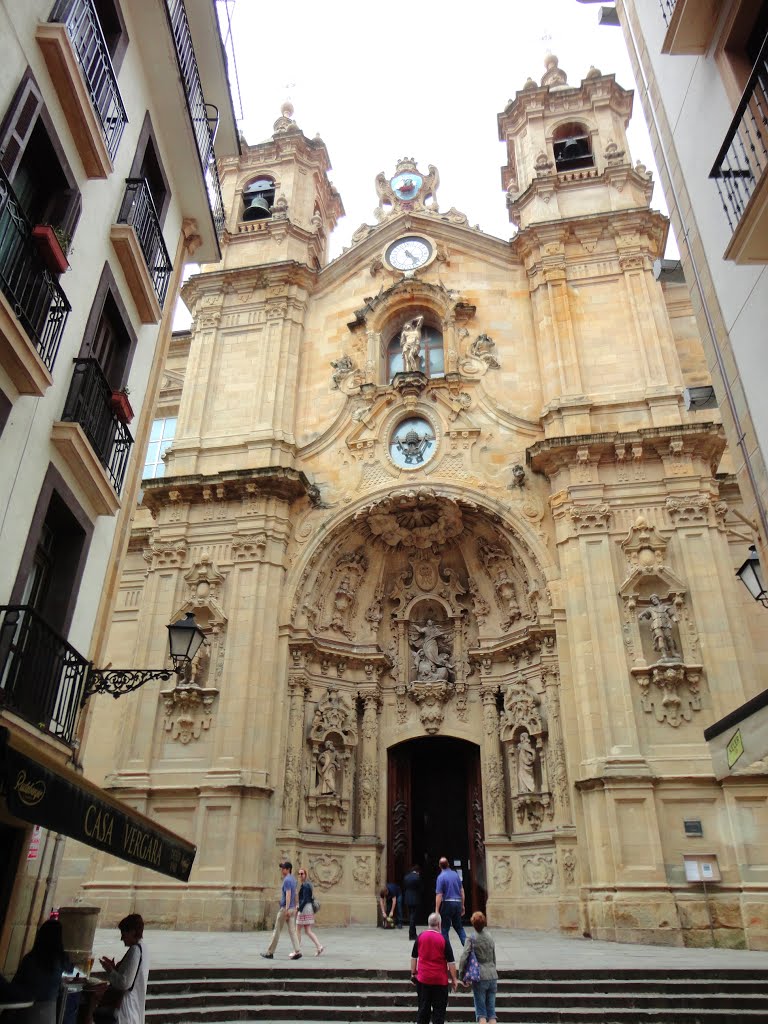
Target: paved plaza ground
365,947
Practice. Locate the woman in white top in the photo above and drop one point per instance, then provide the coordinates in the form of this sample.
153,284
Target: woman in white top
131,974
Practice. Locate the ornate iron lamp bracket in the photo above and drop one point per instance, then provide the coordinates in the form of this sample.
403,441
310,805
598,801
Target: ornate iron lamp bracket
118,681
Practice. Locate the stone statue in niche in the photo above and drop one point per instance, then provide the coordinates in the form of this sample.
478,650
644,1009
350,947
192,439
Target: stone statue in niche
431,652
661,619
526,765
410,345
328,765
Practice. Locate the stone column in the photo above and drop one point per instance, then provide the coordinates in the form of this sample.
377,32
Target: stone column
494,801
298,685
558,771
369,760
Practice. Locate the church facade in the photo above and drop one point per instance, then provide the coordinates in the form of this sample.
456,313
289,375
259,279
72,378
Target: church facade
462,558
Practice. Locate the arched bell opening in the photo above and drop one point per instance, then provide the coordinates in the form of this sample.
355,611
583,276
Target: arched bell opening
258,199
434,810
572,145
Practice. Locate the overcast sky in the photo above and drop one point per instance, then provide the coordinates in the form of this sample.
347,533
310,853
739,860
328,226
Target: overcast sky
383,81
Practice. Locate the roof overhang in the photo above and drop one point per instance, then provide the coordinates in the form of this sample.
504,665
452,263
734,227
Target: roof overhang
739,739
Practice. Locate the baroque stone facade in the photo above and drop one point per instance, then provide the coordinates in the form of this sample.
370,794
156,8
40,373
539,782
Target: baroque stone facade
442,494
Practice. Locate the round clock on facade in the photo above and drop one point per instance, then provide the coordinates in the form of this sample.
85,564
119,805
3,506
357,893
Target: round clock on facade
412,443
409,253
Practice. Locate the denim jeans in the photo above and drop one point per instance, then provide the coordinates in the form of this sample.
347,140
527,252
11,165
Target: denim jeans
450,914
484,994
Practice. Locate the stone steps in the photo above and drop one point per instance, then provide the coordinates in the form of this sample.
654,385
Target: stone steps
223,996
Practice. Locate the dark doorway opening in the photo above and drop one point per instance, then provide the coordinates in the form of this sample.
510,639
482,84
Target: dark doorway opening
434,811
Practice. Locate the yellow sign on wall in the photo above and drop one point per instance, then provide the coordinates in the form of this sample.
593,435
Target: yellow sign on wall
735,748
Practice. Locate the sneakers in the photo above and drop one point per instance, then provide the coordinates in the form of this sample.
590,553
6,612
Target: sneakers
320,950
267,956
294,956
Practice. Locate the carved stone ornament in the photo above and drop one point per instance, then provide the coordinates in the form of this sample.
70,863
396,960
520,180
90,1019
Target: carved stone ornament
340,602
332,741
188,711
345,375
406,190
482,356
326,871
659,632
414,519
523,734
568,864
509,584
361,872
502,872
539,871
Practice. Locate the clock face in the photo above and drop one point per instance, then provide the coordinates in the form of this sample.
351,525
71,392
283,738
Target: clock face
409,253
406,185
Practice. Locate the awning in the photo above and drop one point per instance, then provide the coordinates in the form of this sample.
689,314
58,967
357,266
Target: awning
42,792
739,739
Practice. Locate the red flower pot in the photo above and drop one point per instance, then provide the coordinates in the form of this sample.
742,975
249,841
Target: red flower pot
50,249
121,407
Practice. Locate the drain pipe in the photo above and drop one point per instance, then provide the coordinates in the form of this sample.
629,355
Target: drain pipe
761,511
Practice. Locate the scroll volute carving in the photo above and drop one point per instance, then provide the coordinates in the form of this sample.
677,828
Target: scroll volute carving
523,733
332,742
659,632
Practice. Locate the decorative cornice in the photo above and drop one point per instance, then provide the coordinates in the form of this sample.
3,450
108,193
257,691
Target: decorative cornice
696,440
270,481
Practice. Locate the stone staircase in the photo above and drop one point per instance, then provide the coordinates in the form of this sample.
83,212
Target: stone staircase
226,995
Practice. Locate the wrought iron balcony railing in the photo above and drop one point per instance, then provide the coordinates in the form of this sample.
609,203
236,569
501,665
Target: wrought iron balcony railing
204,116
743,157
138,210
85,32
42,677
33,292
667,10
89,403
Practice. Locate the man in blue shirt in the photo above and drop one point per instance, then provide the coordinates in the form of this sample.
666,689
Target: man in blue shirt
286,914
449,900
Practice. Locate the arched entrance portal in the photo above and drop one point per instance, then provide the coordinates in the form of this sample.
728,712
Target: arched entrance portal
435,809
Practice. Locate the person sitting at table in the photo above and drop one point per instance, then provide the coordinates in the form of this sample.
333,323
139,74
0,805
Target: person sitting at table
39,977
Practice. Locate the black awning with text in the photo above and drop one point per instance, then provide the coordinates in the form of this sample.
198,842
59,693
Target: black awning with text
41,792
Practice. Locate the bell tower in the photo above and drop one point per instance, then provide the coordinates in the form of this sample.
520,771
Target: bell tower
281,204
567,151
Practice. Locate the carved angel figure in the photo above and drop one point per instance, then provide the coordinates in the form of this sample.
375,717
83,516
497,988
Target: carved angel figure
341,368
431,651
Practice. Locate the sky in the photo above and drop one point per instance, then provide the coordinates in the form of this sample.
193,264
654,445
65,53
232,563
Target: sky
378,82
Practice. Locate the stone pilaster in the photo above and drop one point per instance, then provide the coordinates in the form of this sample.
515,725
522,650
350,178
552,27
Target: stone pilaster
298,687
494,801
368,788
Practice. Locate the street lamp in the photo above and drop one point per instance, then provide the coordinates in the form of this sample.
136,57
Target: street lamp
751,575
184,638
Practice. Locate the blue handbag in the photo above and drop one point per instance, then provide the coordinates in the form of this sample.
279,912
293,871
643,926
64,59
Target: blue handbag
472,967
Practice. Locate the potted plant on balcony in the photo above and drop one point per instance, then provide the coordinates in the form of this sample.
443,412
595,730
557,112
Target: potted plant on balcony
53,246
121,406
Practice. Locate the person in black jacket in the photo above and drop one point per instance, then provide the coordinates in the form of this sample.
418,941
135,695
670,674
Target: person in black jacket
413,888
306,916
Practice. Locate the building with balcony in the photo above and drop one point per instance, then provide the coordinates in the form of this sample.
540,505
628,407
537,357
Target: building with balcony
702,71
112,116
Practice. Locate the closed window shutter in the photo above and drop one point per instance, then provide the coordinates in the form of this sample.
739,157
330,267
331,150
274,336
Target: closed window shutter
18,125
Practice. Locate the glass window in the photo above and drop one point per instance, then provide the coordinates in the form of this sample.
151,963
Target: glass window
432,363
160,439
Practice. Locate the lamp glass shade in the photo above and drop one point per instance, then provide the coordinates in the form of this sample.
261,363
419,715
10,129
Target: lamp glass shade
751,575
185,637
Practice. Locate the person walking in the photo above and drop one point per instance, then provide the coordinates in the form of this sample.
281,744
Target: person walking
484,990
449,900
413,888
306,916
433,968
130,976
286,915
